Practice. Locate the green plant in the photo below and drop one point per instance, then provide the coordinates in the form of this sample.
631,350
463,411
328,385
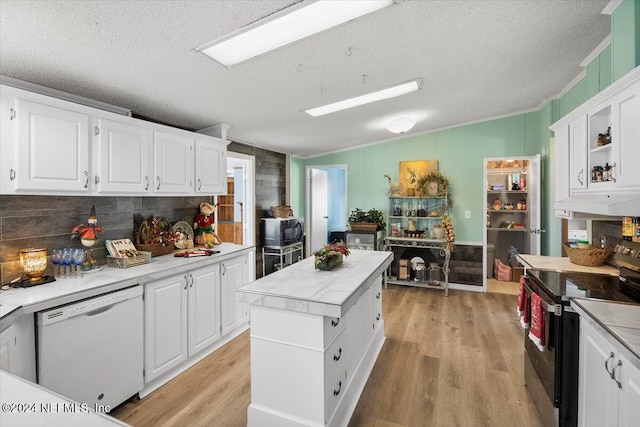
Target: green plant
330,251
437,177
374,216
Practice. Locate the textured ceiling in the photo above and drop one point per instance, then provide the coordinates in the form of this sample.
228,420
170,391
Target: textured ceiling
477,59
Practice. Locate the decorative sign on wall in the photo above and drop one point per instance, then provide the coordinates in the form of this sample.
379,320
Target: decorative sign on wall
410,173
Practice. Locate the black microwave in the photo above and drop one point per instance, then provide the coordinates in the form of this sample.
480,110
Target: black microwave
281,231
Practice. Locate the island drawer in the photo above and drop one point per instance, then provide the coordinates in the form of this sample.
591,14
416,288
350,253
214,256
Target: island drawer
335,373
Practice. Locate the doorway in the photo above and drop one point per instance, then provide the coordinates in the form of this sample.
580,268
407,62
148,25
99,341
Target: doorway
239,201
326,189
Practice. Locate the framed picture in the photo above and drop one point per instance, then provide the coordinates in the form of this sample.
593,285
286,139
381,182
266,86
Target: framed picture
411,171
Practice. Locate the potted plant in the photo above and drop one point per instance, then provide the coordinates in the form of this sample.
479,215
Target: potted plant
371,220
330,256
433,184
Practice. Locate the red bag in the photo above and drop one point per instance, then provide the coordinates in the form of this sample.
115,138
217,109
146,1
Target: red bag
502,271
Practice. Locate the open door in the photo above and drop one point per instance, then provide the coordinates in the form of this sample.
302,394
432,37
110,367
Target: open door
326,203
319,217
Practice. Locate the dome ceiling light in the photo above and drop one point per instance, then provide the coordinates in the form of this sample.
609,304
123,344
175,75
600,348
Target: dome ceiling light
401,124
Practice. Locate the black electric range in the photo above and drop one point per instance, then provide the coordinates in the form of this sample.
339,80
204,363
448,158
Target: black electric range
552,374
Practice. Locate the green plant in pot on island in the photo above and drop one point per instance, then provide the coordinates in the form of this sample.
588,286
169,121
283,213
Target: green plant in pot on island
371,220
433,184
330,256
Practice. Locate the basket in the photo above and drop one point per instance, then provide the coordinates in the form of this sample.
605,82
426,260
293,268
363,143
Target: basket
282,211
156,250
120,262
590,257
363,226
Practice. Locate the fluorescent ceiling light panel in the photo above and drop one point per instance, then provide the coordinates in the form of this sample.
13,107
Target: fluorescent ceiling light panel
285,27
392,92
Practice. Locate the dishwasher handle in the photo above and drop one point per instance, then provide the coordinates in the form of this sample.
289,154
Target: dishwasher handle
100,310
89,307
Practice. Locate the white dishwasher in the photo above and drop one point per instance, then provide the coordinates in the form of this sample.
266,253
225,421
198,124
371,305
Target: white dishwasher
92,351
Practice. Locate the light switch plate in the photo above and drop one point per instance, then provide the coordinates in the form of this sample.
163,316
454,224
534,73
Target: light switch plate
467,214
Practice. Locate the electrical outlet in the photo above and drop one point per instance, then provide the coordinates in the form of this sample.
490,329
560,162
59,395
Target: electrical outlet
467,214
603,242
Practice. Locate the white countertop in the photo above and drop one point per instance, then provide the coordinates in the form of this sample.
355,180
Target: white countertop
300,287
562,264
28,300
620,320
27,404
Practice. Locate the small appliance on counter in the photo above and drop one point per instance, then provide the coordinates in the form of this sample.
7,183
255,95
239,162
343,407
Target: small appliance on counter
279,232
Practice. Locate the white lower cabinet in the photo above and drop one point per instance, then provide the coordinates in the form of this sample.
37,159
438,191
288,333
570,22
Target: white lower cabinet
203,308
181,318
165,325
10,351
608,382
187,313
18,348
234,273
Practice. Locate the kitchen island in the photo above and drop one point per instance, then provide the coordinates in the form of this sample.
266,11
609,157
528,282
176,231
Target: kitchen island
315,336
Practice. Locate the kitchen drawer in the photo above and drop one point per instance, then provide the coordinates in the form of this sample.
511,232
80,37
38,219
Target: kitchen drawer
335,373
332,326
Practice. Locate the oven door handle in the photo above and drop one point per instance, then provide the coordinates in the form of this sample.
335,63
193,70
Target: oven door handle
550,308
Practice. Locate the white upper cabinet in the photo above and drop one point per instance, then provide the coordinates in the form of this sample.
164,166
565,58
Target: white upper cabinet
173,159
561,152
578,173
48,147
626,120
122,152
603,152
211,165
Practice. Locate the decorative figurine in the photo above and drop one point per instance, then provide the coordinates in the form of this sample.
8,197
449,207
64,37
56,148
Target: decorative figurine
203,226
88,237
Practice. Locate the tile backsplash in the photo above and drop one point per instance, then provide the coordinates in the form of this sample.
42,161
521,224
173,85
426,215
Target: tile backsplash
46,221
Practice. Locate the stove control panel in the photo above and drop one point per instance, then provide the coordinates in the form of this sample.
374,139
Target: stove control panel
627,254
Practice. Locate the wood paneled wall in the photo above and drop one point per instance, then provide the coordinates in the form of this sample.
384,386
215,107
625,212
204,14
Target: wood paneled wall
270,187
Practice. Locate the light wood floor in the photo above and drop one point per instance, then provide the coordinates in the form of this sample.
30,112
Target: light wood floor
447,361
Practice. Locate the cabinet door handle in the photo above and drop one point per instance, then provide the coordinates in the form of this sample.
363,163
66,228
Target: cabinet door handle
186,281
199,184
158,179
337,392
96,130
335,322
378,316
378,295
192,280
86,182
12,175
337,357
613,373
606,364
224,269
12,114
96,179
579,175
146,179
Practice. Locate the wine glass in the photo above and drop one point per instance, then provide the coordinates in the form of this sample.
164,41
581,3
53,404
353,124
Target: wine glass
67,260
78,258
56,260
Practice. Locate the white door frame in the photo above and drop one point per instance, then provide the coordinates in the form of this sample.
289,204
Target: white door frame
248,220
309,202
